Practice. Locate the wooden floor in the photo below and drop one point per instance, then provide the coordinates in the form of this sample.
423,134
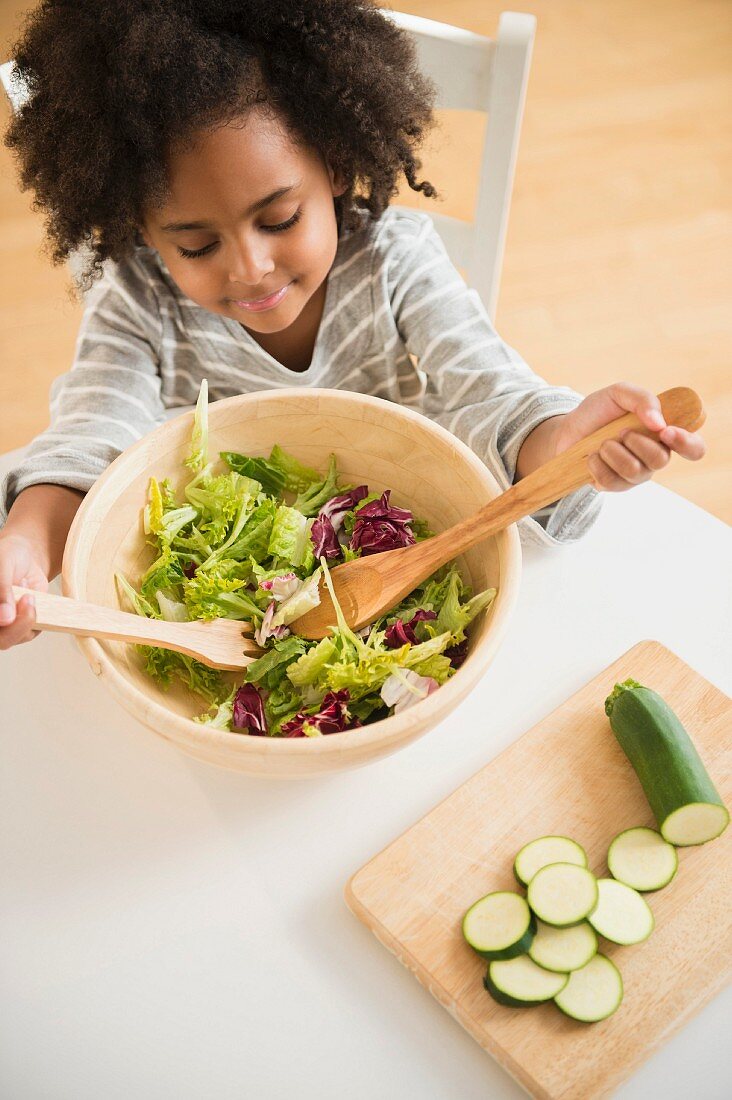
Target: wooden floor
619,254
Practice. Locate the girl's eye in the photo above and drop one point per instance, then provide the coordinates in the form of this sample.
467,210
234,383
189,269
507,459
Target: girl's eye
193,253
283,225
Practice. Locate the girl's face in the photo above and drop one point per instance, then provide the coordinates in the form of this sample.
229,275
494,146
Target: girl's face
249,228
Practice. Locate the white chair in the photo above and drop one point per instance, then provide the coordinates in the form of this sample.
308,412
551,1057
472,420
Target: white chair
472,73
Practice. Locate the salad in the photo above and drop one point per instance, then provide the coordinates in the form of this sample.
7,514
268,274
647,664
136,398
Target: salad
252,543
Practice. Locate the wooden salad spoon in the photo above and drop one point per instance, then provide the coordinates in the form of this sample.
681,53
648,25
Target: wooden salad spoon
220,643
369,586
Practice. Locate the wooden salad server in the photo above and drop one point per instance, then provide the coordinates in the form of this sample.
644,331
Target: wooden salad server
220,643
369,586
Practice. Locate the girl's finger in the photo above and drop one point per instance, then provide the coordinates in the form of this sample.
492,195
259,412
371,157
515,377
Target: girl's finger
603,477
687,444
651,453
642,402
21,630
625,464
7,599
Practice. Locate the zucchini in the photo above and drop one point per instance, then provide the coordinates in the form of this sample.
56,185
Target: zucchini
562,894
543,851
641,858
500,925
563,949
592,993
520,982
683,798
622,915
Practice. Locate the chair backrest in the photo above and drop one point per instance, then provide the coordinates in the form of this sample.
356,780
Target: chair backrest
15,91
472,73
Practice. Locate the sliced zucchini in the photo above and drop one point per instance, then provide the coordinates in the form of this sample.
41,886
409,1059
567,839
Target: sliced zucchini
520,982
562,894
500,925
641,858
563,949
695,823
592,993
543,851
685,802
622,915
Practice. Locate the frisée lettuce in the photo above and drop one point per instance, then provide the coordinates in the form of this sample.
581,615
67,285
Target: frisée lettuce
249,537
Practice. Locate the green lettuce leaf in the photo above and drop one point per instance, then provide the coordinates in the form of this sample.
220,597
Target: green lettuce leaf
219,501
289,536
319,493
454,616
163,665
307,669
368,707
283,652
198,458
139,604
219,715
437,666
213,593
271,478
253,539
165,574
282,703
297,477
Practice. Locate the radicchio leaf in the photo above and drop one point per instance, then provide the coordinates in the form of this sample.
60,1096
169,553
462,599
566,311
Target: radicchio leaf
399,633
336,508
457,653
248,711
281,587
264,629
379,526
399,694
333,717
324,539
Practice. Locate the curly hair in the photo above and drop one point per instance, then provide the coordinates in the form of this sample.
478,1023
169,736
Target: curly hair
114,84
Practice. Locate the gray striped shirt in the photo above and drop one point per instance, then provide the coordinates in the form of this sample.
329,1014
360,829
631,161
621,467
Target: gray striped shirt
398,323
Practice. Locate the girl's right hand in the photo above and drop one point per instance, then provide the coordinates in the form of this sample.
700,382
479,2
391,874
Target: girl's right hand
18,565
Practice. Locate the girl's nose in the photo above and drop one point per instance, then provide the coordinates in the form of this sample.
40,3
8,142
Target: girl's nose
250,262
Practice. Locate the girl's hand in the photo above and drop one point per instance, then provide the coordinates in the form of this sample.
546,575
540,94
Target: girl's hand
634,458
18,565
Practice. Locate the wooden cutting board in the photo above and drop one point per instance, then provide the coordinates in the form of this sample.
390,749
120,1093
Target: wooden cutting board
567,775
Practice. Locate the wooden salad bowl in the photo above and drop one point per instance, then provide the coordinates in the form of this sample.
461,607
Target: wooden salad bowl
376,442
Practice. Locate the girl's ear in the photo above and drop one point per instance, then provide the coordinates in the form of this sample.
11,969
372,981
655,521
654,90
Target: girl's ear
338,184
142,232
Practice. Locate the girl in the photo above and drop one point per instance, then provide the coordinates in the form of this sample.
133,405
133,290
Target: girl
229,166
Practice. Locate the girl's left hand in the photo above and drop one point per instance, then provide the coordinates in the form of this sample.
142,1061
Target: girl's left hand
634,458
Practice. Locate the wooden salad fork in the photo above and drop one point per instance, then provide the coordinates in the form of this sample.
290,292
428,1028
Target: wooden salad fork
220,643
369,586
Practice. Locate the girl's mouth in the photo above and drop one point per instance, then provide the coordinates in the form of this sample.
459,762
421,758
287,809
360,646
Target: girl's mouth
257,305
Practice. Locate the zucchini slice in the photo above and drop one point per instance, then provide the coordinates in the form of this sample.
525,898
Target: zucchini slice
543,851
520,982
641,858
592,993
563,949
562,894
622,915
685,802
500,925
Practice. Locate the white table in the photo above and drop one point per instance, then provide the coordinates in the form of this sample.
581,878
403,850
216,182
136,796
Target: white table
171,931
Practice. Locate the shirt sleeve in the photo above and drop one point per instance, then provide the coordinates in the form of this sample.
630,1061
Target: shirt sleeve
110,398
476,386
